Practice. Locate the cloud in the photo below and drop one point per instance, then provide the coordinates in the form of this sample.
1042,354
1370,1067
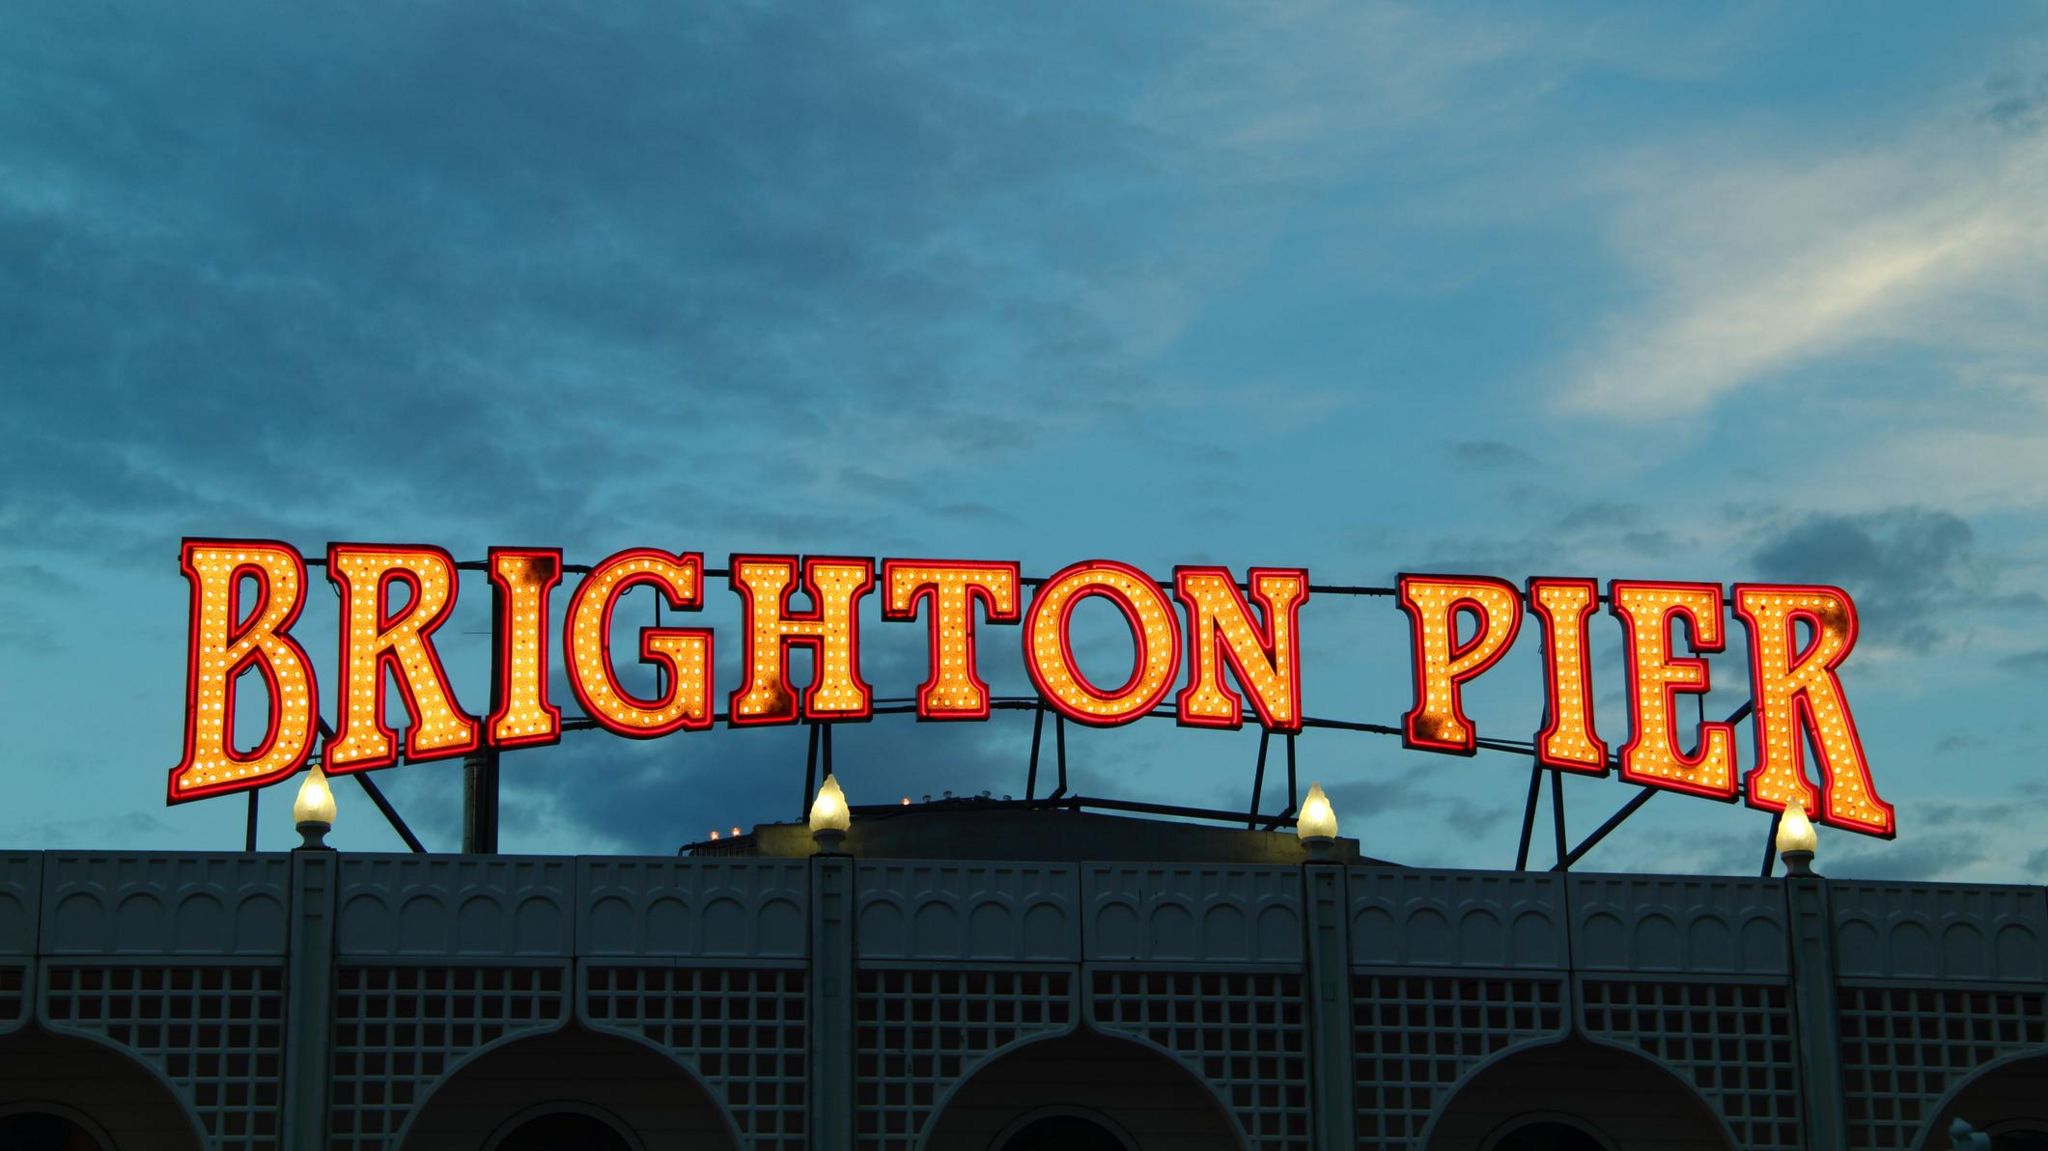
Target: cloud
2032,664
1751,268
1491,455
314,277
1910,570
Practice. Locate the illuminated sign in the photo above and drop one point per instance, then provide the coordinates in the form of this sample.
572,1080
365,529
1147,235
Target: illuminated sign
1232,646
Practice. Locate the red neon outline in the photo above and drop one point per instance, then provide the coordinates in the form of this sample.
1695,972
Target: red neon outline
1268,637
1672,690
929,592
387,659
173,794
1454,651
1803,718
802,708
1551,718
503,708
691,599
1139,651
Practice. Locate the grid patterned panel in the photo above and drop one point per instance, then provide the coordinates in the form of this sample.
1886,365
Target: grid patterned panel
217,1032
13,996
1415,1036
1734,1039
744,1030
1246,1033
916,1031
1903,1047
397,1029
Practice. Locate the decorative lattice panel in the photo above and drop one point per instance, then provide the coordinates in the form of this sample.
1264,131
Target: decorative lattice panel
215,1031
1415,1036
916,1031
1903,1047
1733,1039
1245,1032
13,997
397,1029
744,1030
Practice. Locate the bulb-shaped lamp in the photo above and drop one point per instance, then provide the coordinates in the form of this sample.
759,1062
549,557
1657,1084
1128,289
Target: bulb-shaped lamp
1796,838
829,817
313,810
1317,824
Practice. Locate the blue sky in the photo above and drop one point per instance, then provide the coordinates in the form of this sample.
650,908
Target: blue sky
1716,294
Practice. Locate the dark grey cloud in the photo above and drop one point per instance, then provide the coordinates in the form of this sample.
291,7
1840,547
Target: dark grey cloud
2017,104
2032,664
1908,569
1493,455
521,269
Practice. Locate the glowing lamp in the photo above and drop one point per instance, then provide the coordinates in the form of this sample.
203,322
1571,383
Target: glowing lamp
1796,839
1317,825
313,810
829,817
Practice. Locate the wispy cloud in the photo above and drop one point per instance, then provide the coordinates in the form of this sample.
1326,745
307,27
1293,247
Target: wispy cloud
1750,268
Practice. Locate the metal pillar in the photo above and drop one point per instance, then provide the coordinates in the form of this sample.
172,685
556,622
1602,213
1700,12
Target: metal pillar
309,997
480,802
1332,1090
1814,1031
831,996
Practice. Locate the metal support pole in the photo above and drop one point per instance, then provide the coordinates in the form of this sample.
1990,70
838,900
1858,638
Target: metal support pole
1293,792
803,805
1529,817
1557,820
1814,1032
1037,730
1059,743
249,838
1251,821
832,994
826,748
1333,1081
1771,844
480,802
309,997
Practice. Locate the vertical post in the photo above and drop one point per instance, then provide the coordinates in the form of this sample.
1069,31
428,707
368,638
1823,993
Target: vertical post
309,997
480,767
1332,1090
832,1002
1814,1028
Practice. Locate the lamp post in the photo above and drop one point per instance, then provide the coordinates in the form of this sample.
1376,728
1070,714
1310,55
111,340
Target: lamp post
1317,824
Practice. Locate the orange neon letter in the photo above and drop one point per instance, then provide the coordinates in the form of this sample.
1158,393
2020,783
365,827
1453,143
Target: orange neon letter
1265,660
1443,662
1049,654
831,629
373,640
1655,679
227,641
954,689
520,582
1567,739
683,654
1796,692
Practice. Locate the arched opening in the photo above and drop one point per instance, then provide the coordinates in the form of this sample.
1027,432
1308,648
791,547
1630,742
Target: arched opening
1576,1096
576,1090
44,1130
562,1131
1062,1092
2006,1103
1063,1130
65,1093
1548,1135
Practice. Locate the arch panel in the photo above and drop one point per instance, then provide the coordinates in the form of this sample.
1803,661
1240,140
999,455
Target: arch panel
1625,1097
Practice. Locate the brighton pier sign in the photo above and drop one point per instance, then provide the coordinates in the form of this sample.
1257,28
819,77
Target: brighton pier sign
246,595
